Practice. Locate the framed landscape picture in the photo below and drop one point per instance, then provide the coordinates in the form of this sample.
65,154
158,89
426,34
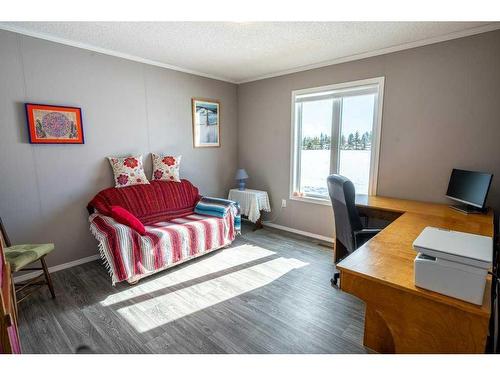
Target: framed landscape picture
206,122
54,124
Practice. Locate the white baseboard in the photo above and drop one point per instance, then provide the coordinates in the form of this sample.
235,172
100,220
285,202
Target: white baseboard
297,231
91,258
59,267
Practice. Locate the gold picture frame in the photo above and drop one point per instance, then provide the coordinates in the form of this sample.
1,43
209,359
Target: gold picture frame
206,122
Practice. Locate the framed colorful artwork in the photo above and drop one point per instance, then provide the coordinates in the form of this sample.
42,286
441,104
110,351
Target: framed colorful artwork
54,124
206,122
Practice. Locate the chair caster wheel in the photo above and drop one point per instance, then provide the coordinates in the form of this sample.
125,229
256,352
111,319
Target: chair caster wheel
335,280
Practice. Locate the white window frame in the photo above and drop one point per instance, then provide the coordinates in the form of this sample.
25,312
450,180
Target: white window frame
340,88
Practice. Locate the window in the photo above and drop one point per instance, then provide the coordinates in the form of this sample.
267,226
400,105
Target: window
335,129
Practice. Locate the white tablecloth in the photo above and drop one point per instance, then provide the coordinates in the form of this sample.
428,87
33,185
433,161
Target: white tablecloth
251,202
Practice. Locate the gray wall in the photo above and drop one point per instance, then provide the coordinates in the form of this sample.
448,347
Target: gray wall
441,110
127,108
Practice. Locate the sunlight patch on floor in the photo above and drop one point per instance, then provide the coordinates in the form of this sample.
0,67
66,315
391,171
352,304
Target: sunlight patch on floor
216,262
176,304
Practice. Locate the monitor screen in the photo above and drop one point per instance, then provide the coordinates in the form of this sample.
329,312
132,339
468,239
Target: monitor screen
469,187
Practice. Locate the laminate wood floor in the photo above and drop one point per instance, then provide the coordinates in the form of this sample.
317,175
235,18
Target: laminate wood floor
269,292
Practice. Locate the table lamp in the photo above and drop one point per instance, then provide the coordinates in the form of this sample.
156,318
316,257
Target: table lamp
241,176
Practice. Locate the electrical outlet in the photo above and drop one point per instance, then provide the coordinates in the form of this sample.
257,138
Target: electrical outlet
283,203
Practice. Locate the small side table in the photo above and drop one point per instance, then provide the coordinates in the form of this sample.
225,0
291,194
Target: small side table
252,203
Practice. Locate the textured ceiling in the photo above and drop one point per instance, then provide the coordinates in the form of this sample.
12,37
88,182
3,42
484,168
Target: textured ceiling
240,52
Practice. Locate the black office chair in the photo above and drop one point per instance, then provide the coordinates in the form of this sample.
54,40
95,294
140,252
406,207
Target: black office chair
348,227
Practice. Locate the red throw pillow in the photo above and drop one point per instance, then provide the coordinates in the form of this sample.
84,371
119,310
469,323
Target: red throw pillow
127,218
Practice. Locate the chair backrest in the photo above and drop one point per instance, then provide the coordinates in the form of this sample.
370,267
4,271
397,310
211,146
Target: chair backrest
347,220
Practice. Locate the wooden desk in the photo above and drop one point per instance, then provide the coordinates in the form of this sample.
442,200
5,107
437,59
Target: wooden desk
400,317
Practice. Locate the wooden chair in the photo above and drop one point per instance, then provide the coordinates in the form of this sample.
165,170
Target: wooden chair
20,256
9,334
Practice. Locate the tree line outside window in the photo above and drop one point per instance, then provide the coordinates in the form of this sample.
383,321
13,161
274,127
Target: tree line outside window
354,141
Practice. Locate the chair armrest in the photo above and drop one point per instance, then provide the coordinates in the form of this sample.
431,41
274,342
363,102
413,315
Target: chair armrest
363,235
368,231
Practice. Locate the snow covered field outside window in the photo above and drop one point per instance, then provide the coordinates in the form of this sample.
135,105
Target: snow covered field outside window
355,166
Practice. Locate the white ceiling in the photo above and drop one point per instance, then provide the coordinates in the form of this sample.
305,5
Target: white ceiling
242,52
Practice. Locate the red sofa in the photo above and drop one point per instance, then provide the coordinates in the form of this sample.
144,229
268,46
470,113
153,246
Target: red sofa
174,233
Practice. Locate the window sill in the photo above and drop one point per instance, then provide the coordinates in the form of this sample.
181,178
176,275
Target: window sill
321,201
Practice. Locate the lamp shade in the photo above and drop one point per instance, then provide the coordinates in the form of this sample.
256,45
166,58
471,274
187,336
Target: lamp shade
241,174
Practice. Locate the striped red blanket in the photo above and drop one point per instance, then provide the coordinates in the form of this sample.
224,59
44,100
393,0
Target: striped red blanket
130,256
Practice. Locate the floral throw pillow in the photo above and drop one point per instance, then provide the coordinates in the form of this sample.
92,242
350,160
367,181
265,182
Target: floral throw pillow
128,171
166,167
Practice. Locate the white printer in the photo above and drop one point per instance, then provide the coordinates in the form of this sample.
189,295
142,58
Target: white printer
453,263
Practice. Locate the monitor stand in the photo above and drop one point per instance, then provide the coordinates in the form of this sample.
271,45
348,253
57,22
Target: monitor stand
467,209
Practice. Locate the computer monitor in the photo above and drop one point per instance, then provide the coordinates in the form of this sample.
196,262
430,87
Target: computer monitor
469,188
